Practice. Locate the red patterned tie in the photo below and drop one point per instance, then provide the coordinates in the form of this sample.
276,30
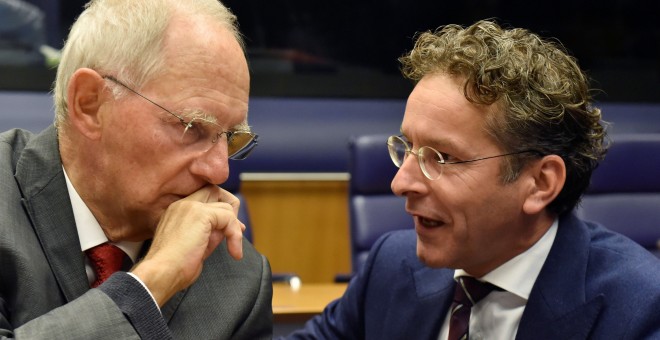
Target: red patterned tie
106,259
468,292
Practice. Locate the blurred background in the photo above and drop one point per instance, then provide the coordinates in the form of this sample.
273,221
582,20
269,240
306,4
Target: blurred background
349,49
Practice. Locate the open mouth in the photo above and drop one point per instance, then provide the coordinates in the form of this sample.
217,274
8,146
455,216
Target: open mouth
429,223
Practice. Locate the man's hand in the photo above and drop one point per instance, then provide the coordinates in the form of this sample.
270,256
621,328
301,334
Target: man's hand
188,232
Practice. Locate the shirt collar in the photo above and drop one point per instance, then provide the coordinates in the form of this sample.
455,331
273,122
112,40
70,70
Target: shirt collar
90,233
518,275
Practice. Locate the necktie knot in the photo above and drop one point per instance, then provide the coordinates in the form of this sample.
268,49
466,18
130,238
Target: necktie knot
106,259
469,291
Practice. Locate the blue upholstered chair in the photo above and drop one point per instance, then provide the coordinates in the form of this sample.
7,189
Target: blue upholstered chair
373,208
624,194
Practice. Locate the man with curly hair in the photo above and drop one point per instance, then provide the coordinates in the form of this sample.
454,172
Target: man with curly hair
498,143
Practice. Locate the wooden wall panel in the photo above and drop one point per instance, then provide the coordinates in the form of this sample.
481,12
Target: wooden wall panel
301,226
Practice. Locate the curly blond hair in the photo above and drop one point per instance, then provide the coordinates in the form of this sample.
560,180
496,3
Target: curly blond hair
543,98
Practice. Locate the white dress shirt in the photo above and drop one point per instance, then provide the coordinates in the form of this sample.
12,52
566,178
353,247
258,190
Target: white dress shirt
497,316
90,234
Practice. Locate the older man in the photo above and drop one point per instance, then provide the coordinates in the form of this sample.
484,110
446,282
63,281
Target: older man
151,101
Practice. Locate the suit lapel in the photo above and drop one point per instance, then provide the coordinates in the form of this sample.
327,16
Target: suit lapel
575,324
422,308
434,288
46,200
557,308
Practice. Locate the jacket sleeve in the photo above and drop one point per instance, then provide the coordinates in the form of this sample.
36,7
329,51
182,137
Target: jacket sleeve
119,309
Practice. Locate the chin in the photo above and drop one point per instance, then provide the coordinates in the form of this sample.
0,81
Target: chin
431,256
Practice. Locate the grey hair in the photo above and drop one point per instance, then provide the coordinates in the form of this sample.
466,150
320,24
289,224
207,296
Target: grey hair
125,38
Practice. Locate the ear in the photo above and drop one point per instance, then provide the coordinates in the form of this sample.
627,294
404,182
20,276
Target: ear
549,176
85,94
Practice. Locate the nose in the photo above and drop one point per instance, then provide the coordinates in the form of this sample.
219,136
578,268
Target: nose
409,179
212,165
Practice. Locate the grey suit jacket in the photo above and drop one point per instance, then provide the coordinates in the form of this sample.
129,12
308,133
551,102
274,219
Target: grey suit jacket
44,292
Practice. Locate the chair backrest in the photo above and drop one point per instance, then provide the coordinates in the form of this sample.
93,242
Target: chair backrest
374,209
624,194
232,184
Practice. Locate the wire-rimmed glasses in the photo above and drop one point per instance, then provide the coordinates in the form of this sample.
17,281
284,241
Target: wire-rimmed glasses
430,160
240,143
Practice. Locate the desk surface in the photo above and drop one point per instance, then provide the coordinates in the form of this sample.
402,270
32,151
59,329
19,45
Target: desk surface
299,305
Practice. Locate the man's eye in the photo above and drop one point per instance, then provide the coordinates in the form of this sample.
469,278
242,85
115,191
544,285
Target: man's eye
230,136
449,158
192,132
437,157
443,157
192,127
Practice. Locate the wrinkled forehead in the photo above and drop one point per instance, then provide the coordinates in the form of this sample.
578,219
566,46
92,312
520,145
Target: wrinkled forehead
205,48
204,60
437,112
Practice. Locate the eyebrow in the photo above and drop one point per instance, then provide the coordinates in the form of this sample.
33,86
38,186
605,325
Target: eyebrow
435,142
444,144
208,119
243,126
199,115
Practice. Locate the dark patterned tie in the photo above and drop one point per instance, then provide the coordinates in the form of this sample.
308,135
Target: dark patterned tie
468,292
106,259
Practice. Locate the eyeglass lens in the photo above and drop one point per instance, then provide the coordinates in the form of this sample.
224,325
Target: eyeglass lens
430,161
241,144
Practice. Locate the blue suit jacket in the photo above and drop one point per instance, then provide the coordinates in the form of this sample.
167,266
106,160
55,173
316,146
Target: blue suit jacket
595,284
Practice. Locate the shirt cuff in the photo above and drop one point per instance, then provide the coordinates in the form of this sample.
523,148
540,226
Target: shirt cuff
145,288
137,304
